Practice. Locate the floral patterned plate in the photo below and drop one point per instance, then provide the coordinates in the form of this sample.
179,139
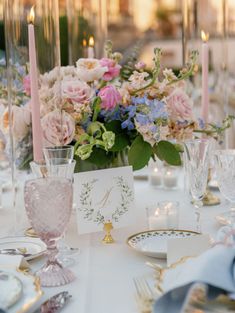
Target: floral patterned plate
154,242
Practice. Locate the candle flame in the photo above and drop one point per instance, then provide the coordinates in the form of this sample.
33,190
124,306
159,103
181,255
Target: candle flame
84,42
204,36
31,16
91,41
156,213
155,170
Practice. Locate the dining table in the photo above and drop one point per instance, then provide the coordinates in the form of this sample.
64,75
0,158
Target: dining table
105,273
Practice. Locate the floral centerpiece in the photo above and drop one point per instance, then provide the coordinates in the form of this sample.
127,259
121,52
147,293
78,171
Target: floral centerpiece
112,113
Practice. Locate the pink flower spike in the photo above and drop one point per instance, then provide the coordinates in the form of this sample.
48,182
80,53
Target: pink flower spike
110,97
26,85
140,65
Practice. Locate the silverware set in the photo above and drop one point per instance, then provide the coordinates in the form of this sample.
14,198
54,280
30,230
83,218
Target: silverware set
145,295
55,303
15,251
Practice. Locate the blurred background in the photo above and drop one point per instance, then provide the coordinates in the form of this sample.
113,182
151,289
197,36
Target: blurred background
137,26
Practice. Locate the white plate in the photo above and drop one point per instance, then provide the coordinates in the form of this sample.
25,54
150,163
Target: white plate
226,218
10,289
34,246
154,242
31,290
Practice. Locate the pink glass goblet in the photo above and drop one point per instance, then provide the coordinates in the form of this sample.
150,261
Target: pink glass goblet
48,203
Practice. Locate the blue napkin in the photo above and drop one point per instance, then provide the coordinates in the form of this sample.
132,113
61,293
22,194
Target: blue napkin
215,268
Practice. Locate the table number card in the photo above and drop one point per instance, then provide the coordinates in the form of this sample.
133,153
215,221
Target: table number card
102,196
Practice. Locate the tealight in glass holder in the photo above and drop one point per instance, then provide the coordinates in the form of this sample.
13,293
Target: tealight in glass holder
170,177
155,171
163,215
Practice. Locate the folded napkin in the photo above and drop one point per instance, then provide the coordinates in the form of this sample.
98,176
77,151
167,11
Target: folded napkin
13,261
215,268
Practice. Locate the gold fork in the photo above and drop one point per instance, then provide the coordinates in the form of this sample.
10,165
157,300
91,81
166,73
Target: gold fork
145,296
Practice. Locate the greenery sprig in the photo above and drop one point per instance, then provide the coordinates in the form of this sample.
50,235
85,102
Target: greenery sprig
189,70
217,131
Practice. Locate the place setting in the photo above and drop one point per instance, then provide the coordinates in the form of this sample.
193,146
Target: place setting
117,156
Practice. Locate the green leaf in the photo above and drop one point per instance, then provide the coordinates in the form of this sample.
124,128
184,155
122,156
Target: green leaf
139,153
168,152
121,142
99,157
114,126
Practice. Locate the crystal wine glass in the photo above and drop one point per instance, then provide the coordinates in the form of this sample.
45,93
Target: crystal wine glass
225,172
197,159
48,203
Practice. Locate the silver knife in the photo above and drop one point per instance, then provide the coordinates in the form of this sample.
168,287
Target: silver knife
55,303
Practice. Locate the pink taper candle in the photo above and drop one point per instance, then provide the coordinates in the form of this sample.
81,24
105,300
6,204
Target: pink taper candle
205,68
35,104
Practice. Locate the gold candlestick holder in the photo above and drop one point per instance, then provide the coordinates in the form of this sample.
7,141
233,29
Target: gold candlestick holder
209,198
108,226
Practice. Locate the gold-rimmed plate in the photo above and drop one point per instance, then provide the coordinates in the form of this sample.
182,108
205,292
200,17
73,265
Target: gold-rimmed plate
33,247
154,242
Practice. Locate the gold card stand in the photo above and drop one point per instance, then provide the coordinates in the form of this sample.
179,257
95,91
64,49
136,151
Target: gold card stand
210,198
108,226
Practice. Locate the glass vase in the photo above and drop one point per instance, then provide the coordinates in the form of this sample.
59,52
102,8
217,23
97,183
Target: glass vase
87,28
118,160
16,121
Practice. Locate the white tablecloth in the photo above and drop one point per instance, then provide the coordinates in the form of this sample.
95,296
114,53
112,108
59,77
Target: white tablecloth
105,273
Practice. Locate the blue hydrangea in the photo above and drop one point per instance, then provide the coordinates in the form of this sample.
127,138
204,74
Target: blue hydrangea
130,111
201,123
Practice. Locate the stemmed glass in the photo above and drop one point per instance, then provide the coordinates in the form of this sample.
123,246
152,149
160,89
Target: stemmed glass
60,161
225,172
197,160
48,203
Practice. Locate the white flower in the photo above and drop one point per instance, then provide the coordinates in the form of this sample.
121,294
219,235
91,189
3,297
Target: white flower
169,74
138,80
68,71
125,93
51,77
89,70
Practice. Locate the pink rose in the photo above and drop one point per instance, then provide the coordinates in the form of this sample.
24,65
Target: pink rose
77,91
179,106
109,96
58,128
26,85
113,68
